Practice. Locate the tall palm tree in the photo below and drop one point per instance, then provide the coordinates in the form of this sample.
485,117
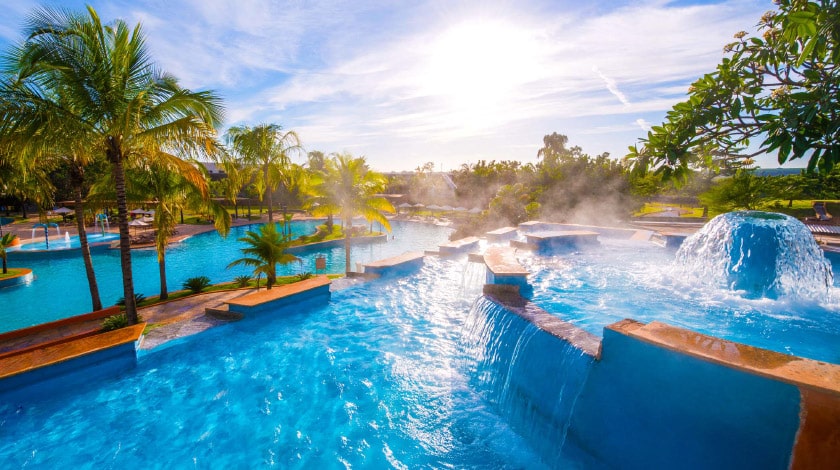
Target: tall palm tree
266,147
109,86
171,192
266,249
349,188
237,176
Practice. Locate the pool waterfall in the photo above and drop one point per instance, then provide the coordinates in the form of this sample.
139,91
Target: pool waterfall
531,376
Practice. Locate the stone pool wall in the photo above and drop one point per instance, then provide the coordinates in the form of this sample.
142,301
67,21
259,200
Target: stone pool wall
659,396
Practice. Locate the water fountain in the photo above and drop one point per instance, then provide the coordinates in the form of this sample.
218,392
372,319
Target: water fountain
102,222
737,332
762,254
46,228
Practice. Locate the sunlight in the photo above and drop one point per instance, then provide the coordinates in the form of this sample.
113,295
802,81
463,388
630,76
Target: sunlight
477,67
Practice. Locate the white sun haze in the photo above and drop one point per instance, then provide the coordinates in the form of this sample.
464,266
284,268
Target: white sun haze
446,82
473,70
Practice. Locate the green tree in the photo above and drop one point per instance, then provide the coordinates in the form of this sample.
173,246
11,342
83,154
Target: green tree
266,249
349,188
237,175
316,161
131,111
776,92
6,241
744,190
267,148
171,192
514,204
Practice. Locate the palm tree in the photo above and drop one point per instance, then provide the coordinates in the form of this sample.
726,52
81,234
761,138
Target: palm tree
267,147
349,188
171,192
113,94
237,176
5,241
266,248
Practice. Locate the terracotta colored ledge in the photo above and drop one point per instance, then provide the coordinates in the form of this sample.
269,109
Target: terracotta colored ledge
278,292
42,357
54,325
805,373
23,276
502,262
508,297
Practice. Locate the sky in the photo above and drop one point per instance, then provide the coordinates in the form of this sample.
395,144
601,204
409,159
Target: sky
408,82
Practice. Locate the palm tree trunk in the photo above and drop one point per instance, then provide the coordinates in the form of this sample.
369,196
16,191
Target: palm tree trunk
95,300
164,294
125,243
268,195
347,244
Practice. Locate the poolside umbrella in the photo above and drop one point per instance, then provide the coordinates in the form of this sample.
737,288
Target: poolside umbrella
434,207
475,210
419,206
460,209
446,208
137,223
137,212
63,211
404,205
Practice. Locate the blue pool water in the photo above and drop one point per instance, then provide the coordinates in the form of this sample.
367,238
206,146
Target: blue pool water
60,287
378,378
62,243
592,288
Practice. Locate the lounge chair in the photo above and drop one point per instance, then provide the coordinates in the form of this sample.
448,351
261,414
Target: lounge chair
819,209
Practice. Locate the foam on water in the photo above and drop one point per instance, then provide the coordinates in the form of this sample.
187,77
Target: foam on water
762,254
622,279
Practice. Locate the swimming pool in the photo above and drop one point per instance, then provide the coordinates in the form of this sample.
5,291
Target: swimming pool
619,279
65,243
60,287
378,378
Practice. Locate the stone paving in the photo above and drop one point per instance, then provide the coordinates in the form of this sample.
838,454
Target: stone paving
184,317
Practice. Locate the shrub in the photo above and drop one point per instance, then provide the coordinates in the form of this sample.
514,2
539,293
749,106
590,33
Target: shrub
196,284
137,299
115,322
242,281
303,276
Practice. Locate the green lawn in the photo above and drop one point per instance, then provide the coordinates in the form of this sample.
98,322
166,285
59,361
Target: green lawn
12,273
225,286
654,207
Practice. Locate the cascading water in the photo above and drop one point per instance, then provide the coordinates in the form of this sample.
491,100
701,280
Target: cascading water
763,254
533,377
472,279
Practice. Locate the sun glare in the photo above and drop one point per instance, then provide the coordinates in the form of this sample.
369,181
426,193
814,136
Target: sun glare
476,68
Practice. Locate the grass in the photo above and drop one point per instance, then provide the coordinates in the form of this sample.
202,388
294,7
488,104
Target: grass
222,287
654,207
12,273
321,235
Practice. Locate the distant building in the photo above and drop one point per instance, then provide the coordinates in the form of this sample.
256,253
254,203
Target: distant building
216,172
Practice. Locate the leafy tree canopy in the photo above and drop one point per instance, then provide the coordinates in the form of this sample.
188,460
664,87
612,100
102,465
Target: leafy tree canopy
775,92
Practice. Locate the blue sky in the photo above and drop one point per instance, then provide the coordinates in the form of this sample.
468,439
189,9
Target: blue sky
404,83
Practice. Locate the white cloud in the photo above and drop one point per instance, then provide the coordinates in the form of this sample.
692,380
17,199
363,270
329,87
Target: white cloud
612,87
456,81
